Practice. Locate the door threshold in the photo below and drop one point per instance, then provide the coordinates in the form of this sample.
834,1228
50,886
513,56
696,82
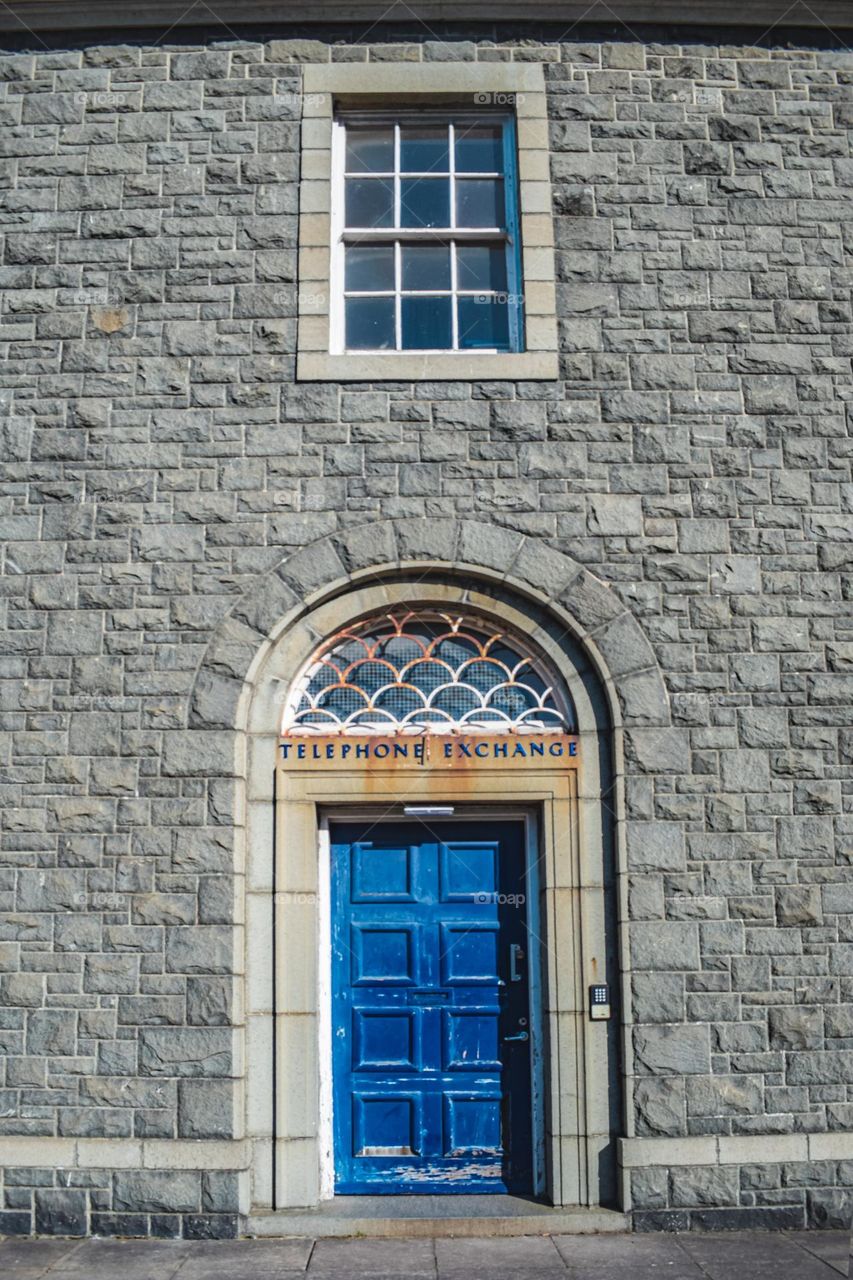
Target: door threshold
419,1216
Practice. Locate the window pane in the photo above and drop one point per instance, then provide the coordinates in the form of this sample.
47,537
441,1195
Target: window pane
479,149
370,202
370,150
480,202
425,202
369,268
426,266
424,150
427,323
481,266
370,323
483,322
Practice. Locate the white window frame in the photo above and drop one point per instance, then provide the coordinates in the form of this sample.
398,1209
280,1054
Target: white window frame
342,236
333,87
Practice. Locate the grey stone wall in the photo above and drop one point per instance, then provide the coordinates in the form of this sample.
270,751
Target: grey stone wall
156,455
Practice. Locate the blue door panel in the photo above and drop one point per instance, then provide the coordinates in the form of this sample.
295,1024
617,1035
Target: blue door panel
386,1124
472,1124
469,872
471,1040
383,954
431,1076
469,955
381,875
385,1040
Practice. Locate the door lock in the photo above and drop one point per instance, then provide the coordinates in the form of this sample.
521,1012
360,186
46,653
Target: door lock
516,953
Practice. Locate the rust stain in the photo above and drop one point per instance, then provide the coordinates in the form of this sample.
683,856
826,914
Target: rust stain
110,319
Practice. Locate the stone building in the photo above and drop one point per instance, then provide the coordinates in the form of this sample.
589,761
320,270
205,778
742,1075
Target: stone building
425,495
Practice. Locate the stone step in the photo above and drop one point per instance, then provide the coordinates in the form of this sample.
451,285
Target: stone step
442,1216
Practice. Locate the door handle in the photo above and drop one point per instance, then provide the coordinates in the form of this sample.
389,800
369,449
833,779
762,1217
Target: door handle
522,1035
516,953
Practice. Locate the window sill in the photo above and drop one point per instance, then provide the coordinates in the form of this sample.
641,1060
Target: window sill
399,367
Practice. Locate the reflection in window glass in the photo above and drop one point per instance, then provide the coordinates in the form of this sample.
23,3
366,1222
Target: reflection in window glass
425,202
481,266
370,150
479,149
369,268
479,202
370,202
427,323
483,322
370,324
426,266
424,150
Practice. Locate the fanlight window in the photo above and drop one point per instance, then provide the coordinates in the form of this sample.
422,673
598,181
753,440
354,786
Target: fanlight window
426,672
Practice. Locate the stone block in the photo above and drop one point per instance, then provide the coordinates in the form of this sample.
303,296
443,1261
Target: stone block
672,1050
700,1186
60,1212
619,515
198,753
798,905
655,846
155,1190
74,631
658,997
665,946
199,949
659,1107
830,1208
205,1109
184,1051
796,1027
111,974
724,1095
209,1002
52,1032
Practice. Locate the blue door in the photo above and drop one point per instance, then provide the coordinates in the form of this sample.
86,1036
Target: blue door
430,1008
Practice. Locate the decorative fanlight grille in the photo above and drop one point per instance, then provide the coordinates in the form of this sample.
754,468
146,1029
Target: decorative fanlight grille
426,672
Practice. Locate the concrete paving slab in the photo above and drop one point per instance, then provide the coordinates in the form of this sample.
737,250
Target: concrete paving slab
833,1247
29,1259
257,1259
391,1258
516,1258
760,1255
127,1259
638,1257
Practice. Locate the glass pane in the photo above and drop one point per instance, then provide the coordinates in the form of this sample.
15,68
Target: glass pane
426,266
427,324
424,150
370,150
369,268
370,202
425,202
480,202
479,149
483,322
481,266
370,324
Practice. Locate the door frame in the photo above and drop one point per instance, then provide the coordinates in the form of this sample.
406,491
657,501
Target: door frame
572,891
533,854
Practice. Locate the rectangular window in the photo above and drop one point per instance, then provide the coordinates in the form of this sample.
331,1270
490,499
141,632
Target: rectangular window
425,234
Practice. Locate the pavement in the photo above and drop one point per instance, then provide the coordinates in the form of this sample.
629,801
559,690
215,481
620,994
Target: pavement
790,1255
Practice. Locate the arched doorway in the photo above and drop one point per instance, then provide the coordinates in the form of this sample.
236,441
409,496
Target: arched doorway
562,862
434,1024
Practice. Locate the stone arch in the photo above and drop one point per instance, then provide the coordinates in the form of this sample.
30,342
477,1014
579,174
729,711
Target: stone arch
598,620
